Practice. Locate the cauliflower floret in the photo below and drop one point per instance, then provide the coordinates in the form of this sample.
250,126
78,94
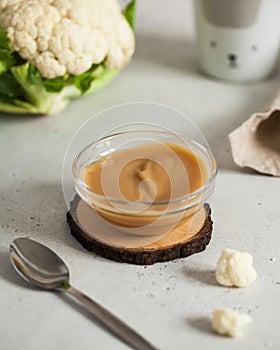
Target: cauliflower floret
59,36
47,62
30,47
229,322
235,268
5,3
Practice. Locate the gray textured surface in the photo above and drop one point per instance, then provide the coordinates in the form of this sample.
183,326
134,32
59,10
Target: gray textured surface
168,303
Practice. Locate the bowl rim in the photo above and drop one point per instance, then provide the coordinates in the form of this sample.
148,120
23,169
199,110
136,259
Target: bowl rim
190,196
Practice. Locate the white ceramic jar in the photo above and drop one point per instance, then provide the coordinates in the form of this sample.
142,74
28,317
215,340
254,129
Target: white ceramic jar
238,40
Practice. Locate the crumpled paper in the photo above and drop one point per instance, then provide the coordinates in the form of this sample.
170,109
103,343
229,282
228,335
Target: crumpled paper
256,143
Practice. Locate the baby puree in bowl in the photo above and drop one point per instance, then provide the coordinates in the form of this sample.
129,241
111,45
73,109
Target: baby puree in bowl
139,183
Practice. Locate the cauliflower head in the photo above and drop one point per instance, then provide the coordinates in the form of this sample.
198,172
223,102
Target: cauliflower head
67,36
52,51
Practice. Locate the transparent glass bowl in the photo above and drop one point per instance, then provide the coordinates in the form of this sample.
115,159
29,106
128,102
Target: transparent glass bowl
145,218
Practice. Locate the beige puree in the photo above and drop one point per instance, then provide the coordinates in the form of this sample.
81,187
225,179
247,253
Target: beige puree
147,173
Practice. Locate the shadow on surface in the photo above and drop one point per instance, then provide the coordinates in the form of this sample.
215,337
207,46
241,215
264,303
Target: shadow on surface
201,323
80,308
171,52
68,299
203,276
6,118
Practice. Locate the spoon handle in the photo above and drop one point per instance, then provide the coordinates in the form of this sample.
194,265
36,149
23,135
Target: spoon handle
110,321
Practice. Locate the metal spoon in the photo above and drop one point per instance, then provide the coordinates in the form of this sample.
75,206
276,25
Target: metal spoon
43,268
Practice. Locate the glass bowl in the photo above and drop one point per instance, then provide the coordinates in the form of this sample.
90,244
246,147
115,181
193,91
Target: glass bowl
147,217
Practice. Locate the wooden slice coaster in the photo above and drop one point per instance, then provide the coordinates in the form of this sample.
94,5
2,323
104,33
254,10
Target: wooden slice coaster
89,230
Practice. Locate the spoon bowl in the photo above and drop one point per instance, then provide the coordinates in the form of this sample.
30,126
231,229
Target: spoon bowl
39,265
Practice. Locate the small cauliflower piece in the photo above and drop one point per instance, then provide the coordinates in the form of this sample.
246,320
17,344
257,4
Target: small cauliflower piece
59,36
229,322
235,268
